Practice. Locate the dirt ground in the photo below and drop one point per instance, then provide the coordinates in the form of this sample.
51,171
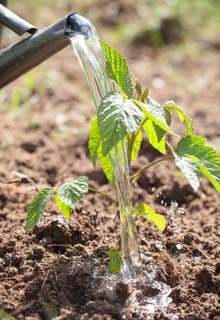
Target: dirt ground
59,270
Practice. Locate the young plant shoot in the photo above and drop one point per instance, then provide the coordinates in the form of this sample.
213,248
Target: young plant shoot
123,117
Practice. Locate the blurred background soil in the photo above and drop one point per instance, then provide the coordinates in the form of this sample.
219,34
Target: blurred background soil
174,48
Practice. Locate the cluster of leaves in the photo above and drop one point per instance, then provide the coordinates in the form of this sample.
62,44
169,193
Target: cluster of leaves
67,196
125,115
132,112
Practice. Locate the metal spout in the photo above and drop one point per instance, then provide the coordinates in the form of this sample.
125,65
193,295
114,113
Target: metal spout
14,22
78,25
23,56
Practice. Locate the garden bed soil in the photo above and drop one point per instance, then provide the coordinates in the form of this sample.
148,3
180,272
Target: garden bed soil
59,270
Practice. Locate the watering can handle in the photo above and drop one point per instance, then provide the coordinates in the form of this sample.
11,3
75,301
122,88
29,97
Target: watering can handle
14,22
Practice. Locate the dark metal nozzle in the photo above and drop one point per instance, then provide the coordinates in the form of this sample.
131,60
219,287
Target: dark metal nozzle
76,24
14,22
28,53
23,56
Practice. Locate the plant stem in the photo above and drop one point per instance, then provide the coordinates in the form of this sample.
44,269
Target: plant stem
132,178
103,194
149,165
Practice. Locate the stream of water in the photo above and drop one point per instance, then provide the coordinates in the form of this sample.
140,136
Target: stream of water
86,45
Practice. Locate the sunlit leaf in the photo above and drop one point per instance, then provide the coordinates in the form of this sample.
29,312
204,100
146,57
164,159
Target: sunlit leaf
37,207
106,165
183,116
201,157
70,193
155,113
136,146
156,136
155,128
117,69
151,215
64,208
190,169
116,119
113,252
94,140
95,150
114,265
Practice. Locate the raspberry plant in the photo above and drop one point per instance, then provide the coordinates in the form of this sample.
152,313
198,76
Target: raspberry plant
125,115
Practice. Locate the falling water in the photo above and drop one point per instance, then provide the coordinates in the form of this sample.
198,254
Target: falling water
177,229
86,45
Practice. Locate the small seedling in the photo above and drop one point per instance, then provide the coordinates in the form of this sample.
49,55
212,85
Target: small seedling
126,115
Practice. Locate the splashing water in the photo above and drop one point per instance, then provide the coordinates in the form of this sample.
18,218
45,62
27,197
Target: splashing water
86,45
174,208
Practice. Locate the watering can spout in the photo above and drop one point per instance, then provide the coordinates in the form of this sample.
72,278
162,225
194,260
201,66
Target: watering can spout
23,56
78,25
14,22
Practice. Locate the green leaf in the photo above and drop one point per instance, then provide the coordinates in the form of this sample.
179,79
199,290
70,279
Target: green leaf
117,69
64,208
106,165
37,207
202,156
156,136
70,193
95,150
136,146
116,119
149,213
94,140
112,253
155,133
190,169
155,113
183,116
114,265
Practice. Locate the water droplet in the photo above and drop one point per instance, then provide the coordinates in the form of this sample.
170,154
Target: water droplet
178,230
176,204
158,83
181,210
179,246
197,258
159,245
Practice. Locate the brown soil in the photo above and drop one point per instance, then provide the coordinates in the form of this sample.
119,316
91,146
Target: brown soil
58,271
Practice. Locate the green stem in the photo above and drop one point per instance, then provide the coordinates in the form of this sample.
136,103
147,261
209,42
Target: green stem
149,165
103,194
132,178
